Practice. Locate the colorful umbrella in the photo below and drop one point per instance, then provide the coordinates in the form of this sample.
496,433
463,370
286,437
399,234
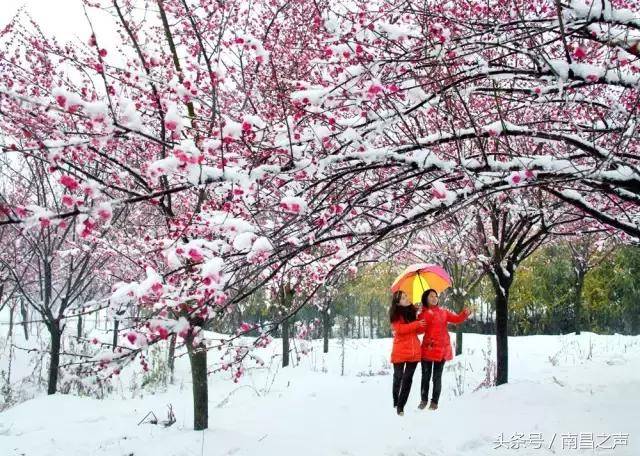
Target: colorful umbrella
420,277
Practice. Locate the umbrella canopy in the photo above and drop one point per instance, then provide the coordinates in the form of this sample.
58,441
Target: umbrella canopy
417,278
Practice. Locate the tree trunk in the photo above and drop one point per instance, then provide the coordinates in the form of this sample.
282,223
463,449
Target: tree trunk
171,361
342,351
79,326
54,364
198,361
285,342
116,324
325,329
578,304
11,310
459,304
502,341
370,320
25,317
238,314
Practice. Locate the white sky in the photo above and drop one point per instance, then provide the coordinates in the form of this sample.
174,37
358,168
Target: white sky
63,19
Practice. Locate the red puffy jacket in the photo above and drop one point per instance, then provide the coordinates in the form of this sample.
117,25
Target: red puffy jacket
406,345
436,345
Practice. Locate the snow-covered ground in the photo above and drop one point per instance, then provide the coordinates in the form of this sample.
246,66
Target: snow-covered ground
566,389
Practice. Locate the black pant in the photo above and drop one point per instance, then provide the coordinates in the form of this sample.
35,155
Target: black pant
427,368
402,378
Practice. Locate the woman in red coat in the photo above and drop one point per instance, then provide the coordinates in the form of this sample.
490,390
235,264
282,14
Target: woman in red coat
405,354
436,345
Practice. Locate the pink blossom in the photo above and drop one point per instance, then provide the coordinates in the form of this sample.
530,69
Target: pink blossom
104,213
195,255
580,53
69,182
68,200
163,332
439,194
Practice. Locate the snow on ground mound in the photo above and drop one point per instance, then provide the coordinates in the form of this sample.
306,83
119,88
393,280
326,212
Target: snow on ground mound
560,387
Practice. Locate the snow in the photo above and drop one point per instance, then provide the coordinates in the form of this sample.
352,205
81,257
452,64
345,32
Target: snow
232,129
398,31
572,194
213,270
165,166
244,241
314,95
262,244
558,385
172,119
596,9
593,73
294,204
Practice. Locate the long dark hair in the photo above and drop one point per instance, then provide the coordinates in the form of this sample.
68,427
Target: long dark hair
425,296
396,310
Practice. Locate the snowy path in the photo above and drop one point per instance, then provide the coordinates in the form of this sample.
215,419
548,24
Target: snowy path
313,413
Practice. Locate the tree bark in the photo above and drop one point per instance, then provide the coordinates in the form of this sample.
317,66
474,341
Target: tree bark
116,324
171,361
502,340
11,310
370,320
198,361
459,304
325,329
578,304
285,342
54,365
458,339
25,322
79,326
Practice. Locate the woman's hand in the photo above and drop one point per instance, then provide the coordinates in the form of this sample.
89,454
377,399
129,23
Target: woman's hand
422,324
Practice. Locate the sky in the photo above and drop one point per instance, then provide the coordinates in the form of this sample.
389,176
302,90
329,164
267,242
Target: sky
63,19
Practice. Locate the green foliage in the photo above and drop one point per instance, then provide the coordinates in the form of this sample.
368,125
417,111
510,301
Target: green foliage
158,374
543,292
542,297
612,294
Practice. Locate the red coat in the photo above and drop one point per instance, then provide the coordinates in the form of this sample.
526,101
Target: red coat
406,346
436,345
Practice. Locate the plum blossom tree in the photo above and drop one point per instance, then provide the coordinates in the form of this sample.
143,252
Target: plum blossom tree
51,264
509,228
